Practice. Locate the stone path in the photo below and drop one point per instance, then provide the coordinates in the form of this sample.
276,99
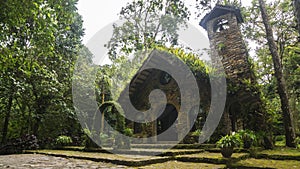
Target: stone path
27,161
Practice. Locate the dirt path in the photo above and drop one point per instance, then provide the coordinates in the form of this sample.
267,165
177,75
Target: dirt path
26,161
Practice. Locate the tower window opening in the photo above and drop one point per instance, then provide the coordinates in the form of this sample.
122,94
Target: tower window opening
221,25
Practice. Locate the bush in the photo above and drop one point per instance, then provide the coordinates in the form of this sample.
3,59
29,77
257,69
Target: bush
280,138
128,132
231,141
228,143
63,141
196,133
248,137
26,142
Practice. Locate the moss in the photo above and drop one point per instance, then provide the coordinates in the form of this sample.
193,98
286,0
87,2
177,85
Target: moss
215,158
195,146
182,165
266,163
285,158
282,151
280,154
104,157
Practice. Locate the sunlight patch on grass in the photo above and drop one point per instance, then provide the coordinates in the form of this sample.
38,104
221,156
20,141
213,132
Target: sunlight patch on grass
267,163
282,151
95,155
182,165
213,155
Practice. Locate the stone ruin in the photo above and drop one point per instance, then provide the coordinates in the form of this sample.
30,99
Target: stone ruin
244,108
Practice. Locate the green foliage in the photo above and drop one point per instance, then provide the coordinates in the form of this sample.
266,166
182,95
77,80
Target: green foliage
232,141
282,21
280,140
63,140
196,133
248,137
297,141
39,42
205,6
147,23
221,46
196,65
128,132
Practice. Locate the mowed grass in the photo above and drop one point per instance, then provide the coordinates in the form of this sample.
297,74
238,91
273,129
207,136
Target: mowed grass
282,151
182,165
212,155
94,155
199,160
267,163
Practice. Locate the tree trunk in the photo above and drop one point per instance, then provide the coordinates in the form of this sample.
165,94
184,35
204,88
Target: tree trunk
102,113
6,119
296,4
281,86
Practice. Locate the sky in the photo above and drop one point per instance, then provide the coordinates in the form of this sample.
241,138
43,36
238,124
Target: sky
99,13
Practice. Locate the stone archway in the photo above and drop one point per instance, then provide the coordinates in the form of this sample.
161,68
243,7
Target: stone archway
165,121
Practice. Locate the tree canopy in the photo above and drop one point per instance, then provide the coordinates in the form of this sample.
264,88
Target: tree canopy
40,42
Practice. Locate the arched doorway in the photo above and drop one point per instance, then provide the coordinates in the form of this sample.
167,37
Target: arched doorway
165,121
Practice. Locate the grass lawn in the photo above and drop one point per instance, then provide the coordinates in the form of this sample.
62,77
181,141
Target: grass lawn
282,151
94,155
182,165
280,157
212,155
267,163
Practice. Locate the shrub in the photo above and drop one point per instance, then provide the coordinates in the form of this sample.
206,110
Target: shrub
248,137
26,142
227,143
63,141
128,132
196,133
231,141
280,138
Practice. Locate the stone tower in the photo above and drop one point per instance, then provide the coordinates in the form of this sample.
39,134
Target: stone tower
243,105
226,41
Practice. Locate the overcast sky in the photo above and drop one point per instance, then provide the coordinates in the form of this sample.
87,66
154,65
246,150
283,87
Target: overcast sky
99,13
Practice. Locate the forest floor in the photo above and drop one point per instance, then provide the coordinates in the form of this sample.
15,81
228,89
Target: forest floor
277,158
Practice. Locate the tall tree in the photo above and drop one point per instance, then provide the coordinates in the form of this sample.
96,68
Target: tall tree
296,4
39,42
281,86
205,6
147,23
